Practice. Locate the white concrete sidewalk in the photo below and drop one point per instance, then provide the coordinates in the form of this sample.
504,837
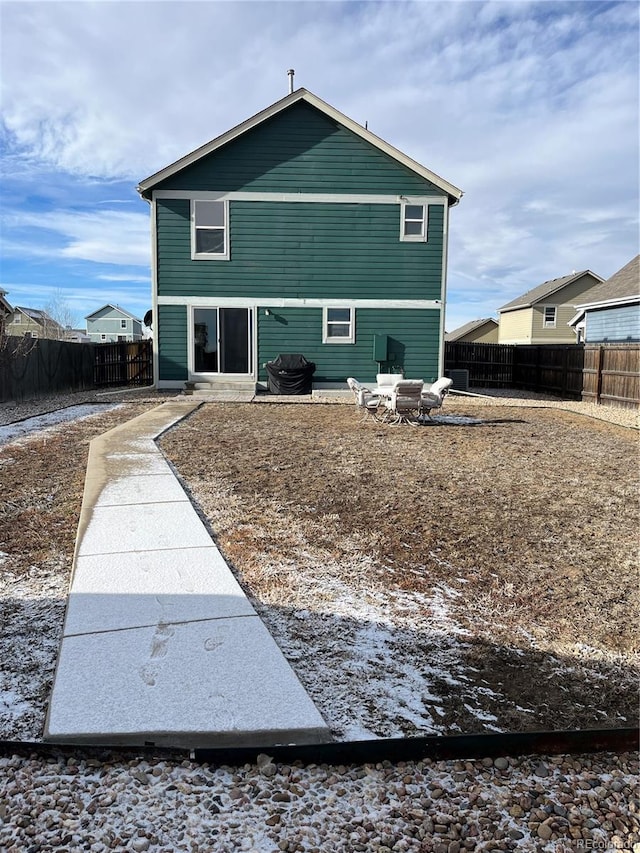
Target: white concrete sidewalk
160,644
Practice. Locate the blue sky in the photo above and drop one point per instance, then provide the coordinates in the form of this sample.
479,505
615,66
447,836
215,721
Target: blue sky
530,108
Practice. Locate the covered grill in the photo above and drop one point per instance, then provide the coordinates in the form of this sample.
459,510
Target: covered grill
290,373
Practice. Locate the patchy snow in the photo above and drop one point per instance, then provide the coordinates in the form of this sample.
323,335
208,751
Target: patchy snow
29,426
31,614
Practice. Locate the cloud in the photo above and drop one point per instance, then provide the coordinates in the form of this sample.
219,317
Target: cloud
99,236
530,107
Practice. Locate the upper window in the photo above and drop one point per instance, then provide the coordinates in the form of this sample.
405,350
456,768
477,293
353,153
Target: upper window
123,324
338,326
414,224
209,230
550,316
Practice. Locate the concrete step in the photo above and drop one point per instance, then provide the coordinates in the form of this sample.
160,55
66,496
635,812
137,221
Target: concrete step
221,385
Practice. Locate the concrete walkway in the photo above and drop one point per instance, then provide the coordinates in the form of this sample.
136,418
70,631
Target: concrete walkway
160,644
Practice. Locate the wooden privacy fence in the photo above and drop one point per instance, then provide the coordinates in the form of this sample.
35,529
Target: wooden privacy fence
31,368
601,373
612,374
124,363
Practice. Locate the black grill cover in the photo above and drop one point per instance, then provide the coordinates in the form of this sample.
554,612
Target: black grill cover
290,373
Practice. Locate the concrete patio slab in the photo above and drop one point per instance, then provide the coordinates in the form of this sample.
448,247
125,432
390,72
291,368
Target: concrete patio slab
112,592
223,682
160,644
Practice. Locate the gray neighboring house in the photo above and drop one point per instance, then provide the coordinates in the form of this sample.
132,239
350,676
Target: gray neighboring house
612,312
111,323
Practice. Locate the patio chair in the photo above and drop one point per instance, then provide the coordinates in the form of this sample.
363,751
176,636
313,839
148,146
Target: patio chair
403,405
366,401
434,396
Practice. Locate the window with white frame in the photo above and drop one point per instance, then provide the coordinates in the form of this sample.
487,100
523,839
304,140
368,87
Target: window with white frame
338,326
550,316
414,222
123,324
209,230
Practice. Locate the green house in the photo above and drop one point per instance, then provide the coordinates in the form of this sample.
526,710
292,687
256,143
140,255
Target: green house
298,231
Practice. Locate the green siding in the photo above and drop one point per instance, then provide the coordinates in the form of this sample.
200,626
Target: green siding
414,337
299,150
303,249
172,342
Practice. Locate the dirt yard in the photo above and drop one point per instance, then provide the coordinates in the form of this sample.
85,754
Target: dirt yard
420,580
450,577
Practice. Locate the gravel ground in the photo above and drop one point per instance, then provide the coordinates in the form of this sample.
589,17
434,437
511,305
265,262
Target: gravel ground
552,804
529,804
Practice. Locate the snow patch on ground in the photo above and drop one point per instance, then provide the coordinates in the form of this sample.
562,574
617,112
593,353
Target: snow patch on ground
29,426
31,614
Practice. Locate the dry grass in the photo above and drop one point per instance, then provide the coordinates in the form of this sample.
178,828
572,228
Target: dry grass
527,521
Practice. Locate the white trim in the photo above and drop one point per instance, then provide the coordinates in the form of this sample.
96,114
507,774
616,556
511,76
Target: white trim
274,302
288,101
326,338
290,198
606,303
443,288
155,319
210,256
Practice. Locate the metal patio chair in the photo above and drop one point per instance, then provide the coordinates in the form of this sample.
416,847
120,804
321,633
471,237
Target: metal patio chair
403,404
433,397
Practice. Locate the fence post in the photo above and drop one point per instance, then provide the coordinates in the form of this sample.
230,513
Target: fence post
599,360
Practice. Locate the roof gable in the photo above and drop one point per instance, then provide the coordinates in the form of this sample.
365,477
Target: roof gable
623,284
545,290
109,307
297,99
461,331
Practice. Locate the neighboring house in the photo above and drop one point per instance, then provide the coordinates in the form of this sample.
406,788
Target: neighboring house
541,315
298,231
76,336
112,323
5,309
612,312
476,332
34,323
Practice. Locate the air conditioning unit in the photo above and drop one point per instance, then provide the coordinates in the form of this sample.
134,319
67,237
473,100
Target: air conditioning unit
460,379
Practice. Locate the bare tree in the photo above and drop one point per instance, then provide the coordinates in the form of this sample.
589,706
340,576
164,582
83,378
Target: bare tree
61,314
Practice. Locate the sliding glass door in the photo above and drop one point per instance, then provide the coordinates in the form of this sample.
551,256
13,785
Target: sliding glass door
222,340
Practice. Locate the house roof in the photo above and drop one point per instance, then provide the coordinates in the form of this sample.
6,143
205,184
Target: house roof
546,289
4,303
621,289
623,285
37,315
115,308
461,331
146,186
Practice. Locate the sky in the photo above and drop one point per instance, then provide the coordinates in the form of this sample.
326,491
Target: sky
530,108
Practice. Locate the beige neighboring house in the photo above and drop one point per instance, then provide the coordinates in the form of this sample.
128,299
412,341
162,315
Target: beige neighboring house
34,323
542,315
483,331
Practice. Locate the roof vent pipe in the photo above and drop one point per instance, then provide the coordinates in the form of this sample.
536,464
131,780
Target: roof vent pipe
291,72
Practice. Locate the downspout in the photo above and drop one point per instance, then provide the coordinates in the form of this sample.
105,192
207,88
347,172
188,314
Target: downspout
155,319
443,286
